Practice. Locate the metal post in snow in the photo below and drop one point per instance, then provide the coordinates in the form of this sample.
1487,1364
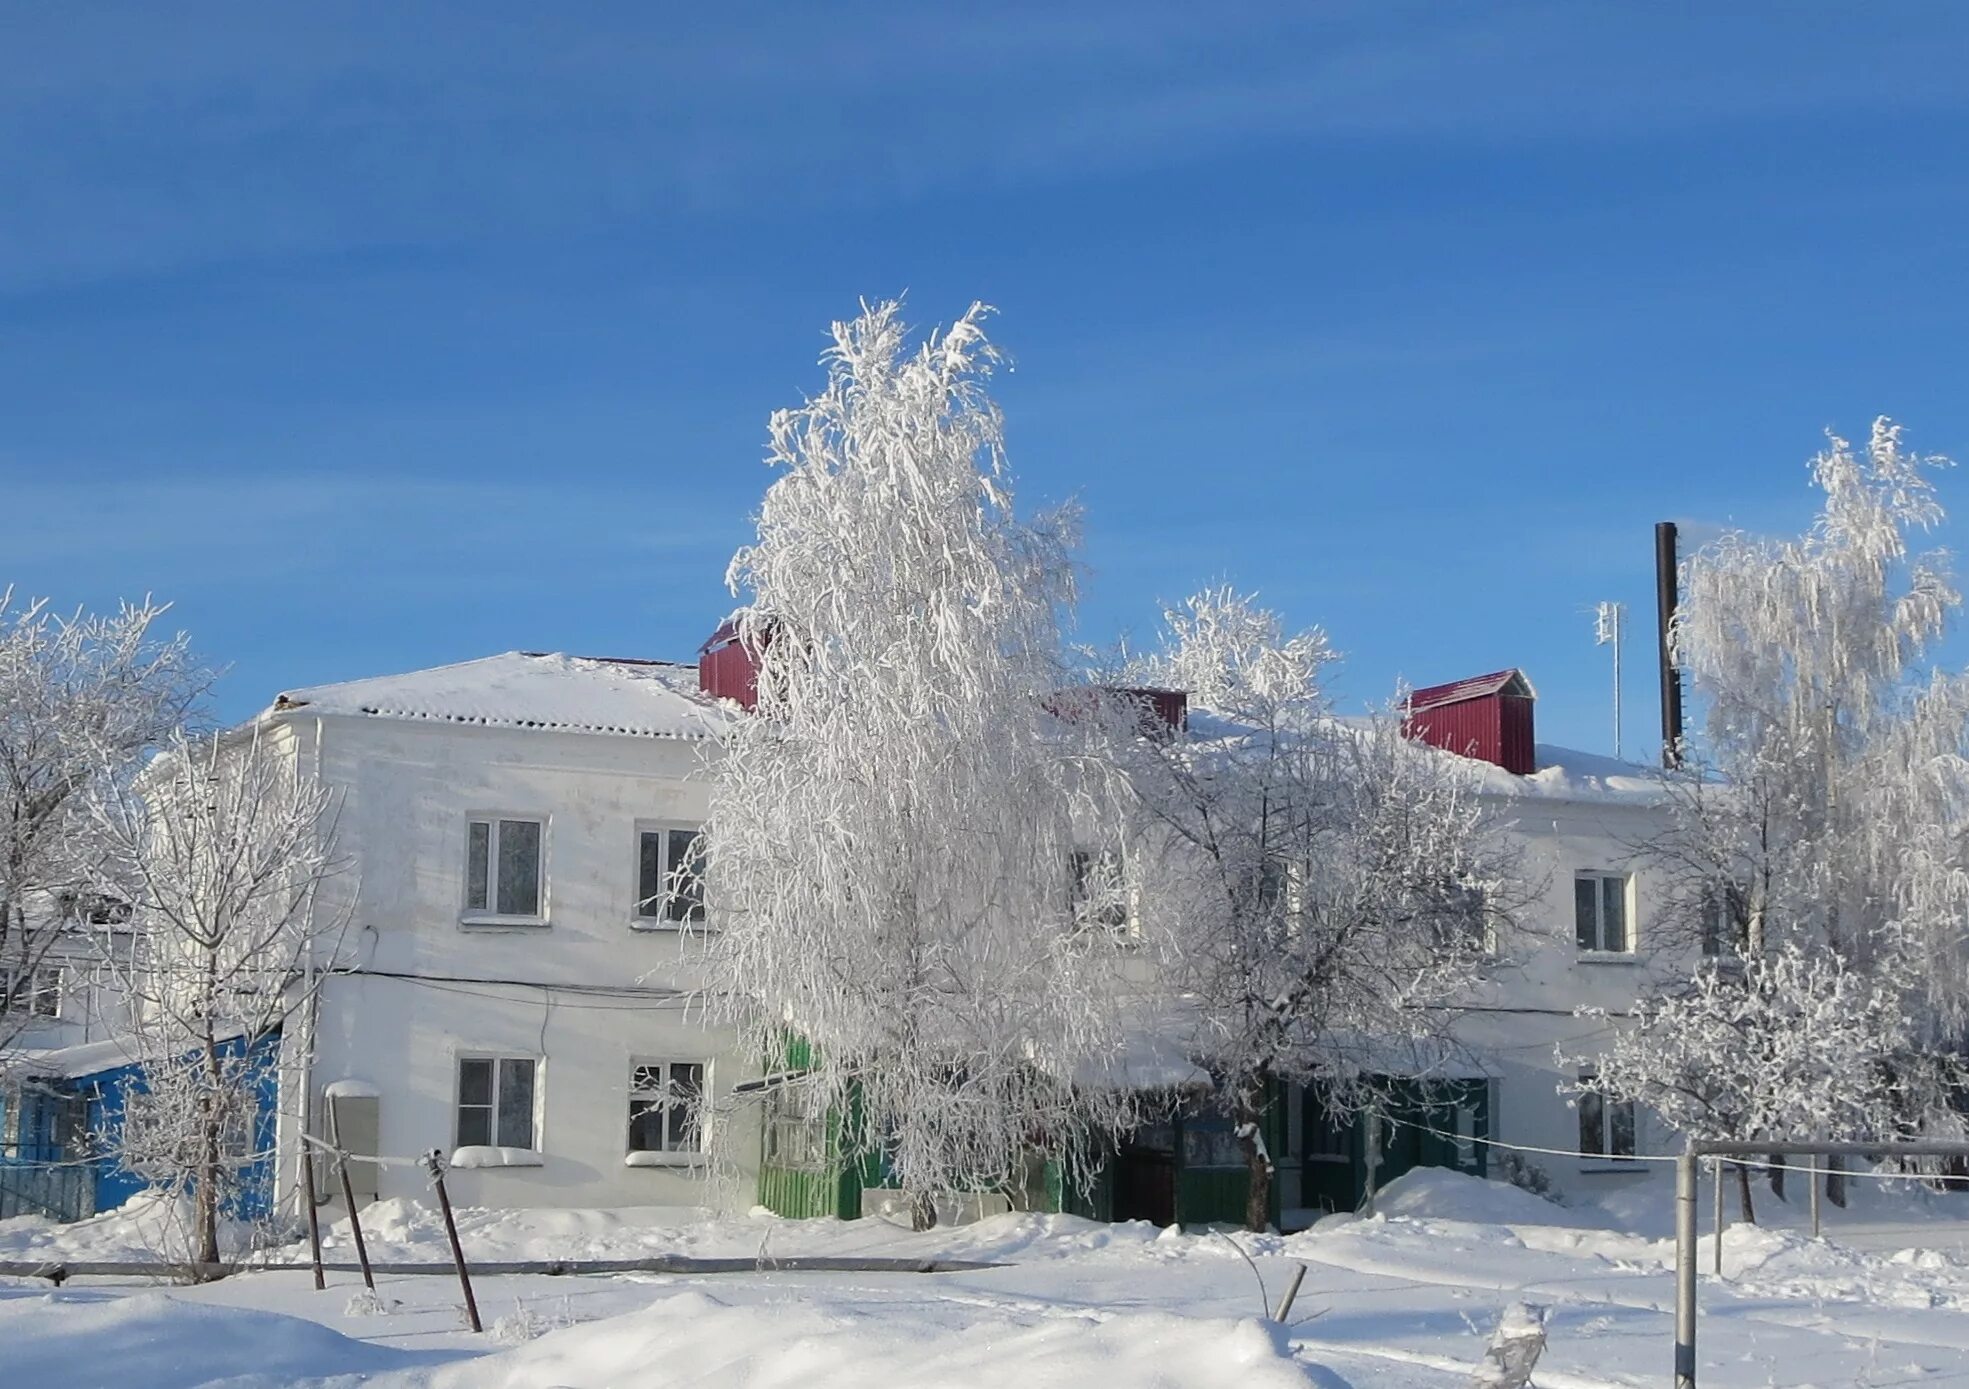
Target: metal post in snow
1812,1178
1685,1271
1686,1191
1291,1292
314,1216
349,1196
1719,1217
434,1162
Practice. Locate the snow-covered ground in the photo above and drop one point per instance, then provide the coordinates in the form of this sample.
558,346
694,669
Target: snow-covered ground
1407,1298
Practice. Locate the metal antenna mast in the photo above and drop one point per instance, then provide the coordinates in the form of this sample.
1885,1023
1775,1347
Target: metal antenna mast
1606,629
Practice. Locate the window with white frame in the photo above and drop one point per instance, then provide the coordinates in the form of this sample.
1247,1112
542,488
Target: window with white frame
1606,1126
36,992
495,1101
1100,891
669,876
1601,912
503,863
1725,920
665,1107
93,909
1463,920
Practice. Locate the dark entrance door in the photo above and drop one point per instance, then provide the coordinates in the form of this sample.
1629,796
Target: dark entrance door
1145,1176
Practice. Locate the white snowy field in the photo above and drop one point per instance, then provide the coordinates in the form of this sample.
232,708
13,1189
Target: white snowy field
1405,1299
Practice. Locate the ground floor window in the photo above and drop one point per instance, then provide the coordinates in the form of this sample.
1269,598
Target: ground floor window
1606,1126
1211,1142
665,1104
1329,1137
495,1101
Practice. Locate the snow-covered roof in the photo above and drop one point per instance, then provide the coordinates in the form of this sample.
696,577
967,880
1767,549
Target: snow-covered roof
1559,774
82,1059
1567,774
530,689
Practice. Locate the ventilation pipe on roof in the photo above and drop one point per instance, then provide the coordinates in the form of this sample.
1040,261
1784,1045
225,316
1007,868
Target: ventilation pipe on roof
1667,600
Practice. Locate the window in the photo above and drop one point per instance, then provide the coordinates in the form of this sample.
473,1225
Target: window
495,1101
1329,1137
36,992
1600,902
1725,920
93,909
664,1100
1606,1126
670,876
1464,920
1100,894
1211,1142
502,868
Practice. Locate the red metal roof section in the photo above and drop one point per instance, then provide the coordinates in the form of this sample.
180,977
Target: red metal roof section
1488,717
725,669
1511,682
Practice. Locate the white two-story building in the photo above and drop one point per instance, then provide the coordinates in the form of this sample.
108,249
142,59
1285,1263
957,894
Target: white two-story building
516,986
520,984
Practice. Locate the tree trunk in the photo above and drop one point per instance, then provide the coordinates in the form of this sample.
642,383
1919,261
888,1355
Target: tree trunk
922,1210
1743,1193
1776,1169
1248,1112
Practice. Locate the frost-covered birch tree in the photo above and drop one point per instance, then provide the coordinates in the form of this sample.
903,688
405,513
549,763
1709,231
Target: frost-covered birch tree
1322,893
892,830
83,698
1823,809
220,854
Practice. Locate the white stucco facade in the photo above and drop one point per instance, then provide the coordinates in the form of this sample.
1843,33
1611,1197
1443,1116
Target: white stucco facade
433,994
580,988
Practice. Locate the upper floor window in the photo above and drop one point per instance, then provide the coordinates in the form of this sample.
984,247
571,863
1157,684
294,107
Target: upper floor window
1462,918
94,909
669,877
503,867
1100,892
1725,920
1600,912
36,992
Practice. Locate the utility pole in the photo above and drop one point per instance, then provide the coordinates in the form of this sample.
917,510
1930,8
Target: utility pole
1607,631
1667,600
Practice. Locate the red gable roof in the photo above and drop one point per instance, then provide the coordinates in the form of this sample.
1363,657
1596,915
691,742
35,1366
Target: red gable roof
1505,682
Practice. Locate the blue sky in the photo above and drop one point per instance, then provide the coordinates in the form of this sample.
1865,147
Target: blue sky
378,336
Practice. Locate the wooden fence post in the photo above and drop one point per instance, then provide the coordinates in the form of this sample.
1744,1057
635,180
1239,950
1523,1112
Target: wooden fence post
314,1216
349,1196
434,1162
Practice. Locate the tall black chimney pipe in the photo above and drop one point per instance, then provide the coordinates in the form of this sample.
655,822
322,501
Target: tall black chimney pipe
1666,599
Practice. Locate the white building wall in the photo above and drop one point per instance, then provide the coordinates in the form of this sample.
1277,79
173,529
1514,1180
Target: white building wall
1525,1016
586,994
